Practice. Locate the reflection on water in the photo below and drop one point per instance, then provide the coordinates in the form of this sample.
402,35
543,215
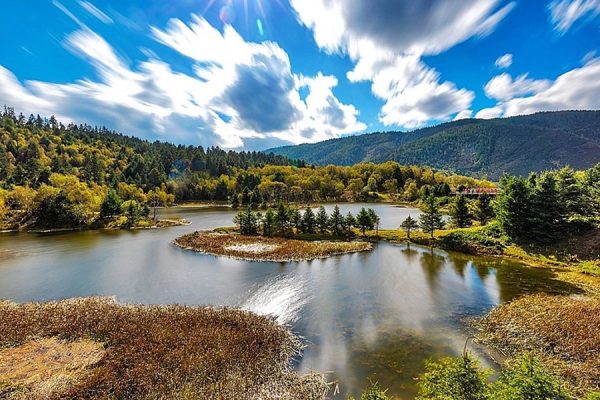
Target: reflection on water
375,315
282,299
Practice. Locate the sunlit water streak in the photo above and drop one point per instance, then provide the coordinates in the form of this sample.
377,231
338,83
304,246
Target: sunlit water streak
282,299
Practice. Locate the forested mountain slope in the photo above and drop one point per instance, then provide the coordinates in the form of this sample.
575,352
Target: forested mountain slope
516,145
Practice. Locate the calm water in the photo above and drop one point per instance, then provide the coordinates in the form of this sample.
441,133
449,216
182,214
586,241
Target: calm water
375,315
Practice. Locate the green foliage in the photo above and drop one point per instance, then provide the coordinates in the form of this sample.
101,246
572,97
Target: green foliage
472,147
374,392
526,378
408,225
247,221
484,211
322,220
453,378
336,222
308,222
268,223
431,218
513,207
132,210
111,206
460,378
282,220
364,221
459,212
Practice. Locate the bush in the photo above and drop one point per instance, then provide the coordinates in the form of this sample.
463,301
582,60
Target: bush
453,378
526,378
373,392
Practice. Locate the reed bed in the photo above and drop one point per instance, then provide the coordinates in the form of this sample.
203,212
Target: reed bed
156,352
260,248
561,330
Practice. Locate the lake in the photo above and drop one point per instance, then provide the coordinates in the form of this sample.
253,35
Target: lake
377,315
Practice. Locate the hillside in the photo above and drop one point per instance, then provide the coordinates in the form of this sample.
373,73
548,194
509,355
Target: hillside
516,145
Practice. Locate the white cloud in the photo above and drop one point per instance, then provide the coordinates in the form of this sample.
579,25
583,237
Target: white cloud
503,87
93,10
387,38
464,114
240,93
489,113
574,90
504,61
564,13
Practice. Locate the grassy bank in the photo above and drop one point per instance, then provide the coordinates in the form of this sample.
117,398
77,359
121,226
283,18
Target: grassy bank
260,248
561,331
95,348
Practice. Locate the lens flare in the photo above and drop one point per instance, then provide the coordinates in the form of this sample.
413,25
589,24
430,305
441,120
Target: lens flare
259,26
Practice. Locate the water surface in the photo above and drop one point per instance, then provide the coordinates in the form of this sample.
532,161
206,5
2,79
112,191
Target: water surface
375,315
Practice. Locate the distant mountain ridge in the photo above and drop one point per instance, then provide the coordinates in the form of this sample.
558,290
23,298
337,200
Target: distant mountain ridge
516,145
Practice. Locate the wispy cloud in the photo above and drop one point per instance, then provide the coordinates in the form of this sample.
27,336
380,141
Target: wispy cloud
564,13
93,10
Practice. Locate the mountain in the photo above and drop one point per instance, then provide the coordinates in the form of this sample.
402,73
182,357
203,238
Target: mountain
516,145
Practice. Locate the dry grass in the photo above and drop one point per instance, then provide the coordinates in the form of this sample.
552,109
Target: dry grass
152,352
258,248
48,366
562,330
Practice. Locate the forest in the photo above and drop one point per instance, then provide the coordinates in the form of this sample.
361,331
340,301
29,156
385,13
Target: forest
56,175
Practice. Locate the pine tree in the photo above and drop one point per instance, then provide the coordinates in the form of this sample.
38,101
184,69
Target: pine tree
322,220
268,223
111,205
459,212
408,225
336,222
375,220
431,218
245,196
234,201
349,223
570,191
308,221
513,207
282,219
547,214
364,221
296,219
484,211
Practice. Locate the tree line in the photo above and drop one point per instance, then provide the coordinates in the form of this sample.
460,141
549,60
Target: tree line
287,221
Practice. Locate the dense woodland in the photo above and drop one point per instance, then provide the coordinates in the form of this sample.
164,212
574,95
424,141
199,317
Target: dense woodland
516,145
57,175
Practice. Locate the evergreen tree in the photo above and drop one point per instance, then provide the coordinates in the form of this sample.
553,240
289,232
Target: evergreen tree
308,221
245,196
484,211
221,191
570,191
349,223
111,205
431,218
322,220
282,219
408,225
364,221
459,212
296,219
268,223
547,214
3,164
513,207
336,222
133,210
234,201
247,221
375,220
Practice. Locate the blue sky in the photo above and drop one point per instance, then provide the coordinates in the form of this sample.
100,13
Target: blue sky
255,74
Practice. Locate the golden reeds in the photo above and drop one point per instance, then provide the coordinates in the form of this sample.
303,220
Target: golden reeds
563,331
153,352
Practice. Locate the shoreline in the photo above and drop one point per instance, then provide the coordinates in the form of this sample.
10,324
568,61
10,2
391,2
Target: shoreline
166,223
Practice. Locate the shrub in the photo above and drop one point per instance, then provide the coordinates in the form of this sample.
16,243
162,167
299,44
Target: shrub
453,378
526,378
